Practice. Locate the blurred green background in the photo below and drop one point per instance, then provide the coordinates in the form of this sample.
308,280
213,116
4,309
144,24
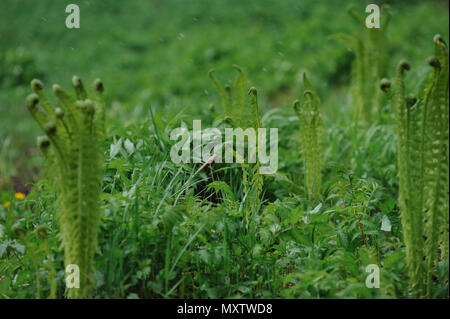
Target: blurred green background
157,54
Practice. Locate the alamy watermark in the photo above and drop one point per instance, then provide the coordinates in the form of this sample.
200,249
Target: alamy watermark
208,145
373,279
72,276
373,19
73,19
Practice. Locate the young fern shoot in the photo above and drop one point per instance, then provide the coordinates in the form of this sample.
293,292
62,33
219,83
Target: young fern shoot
423,168
370,48
75,130
241,110
311,139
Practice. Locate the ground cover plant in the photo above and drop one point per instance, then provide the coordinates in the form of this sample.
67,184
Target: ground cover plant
362,176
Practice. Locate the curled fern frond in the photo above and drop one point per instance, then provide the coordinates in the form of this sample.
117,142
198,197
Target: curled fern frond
311,139
19,232
243,112
224,92
423,161
74,131
370,48
42,232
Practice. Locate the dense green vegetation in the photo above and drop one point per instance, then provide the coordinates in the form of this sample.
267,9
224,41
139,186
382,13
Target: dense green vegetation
224,230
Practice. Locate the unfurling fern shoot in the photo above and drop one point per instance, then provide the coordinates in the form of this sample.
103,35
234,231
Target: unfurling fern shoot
423,161
241,110
370,48
311,139
75,130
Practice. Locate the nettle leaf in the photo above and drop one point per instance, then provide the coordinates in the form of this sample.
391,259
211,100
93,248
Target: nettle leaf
129,146
386,224
115,147
275,228
295,215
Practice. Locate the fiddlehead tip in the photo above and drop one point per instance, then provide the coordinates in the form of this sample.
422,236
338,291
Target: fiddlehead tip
89,106
36,85
19,231
98,85
308,92
59,113
41,231
404,65
86,106
227,119
385,84
43,142
50,128
76,81
438,39
434,62
32,101
410,100
253,91
57,89
238,68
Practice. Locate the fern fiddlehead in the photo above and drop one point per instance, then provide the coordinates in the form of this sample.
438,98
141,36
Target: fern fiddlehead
74,130
368,67
240,108
422,146
311,126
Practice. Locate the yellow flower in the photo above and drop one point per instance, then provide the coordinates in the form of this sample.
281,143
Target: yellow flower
19,196
6,205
